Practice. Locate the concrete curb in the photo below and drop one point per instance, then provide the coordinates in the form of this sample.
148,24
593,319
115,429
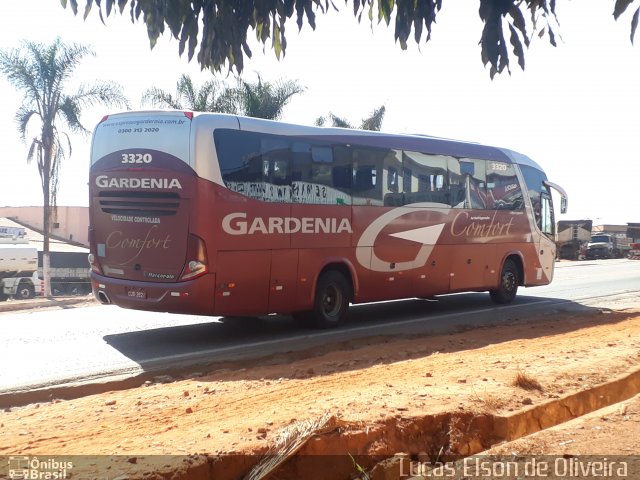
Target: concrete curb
34,304
71,390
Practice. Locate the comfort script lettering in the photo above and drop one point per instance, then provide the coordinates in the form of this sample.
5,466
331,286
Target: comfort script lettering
465,225
118,241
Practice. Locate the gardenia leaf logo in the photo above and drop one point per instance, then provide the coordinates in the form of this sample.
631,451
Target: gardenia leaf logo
427,236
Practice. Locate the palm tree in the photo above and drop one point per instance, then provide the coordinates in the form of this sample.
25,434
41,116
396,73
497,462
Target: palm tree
41,73
372,122
213,96
335,121
265,99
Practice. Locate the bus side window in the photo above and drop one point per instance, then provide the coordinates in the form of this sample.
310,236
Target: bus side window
321,177
503,188
342,171
300,161
474,172
280,172
392,179
423,178
300,170
407,180
276,180
321,174
276,159
240,160
364,180
457,191
367,167
392,195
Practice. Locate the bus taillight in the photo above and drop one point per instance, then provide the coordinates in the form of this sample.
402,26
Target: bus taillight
196,263
93,261
94,264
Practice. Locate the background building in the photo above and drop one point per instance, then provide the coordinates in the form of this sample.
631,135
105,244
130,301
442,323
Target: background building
71,223
633,232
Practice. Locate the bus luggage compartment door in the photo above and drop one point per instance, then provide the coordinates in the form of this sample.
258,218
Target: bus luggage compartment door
282,289
473,266
242,282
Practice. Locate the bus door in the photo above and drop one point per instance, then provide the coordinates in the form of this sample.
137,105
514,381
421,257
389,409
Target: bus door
546,245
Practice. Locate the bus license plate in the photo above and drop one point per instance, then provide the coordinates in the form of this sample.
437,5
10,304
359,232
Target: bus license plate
136,292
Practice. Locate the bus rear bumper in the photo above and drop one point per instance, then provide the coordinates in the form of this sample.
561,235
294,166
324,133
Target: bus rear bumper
195,297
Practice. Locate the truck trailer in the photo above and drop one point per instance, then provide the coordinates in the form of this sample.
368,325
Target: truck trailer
68,273
571,236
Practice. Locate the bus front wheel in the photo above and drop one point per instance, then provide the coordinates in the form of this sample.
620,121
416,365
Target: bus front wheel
331,302
509,281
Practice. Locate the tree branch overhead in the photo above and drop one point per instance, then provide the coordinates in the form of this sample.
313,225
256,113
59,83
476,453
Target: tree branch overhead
216,31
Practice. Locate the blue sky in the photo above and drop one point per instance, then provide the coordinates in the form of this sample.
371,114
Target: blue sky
574,109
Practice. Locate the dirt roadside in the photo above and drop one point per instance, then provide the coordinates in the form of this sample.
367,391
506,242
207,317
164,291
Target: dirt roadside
39,304
474,391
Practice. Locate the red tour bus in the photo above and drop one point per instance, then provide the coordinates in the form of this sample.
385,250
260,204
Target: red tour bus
216,214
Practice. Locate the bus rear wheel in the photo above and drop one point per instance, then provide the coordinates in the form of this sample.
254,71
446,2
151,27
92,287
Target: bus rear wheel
331,302
509,281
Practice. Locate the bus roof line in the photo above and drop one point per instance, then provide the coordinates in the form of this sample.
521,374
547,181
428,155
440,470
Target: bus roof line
406,141
521,159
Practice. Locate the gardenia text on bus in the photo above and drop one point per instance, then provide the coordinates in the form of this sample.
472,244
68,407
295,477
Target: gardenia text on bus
237,224
103,181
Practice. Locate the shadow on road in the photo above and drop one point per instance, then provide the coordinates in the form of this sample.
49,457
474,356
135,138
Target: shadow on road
239,342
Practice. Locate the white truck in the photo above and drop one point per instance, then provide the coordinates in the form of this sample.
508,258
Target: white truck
18,265
608,245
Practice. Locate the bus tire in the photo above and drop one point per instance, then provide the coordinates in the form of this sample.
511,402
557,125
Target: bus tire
509,281
331,301
3,297
25,291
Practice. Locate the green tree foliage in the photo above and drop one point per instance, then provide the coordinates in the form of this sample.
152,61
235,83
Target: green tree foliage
372,122
335,121
212,96
49,111
253,99
264,99
220,28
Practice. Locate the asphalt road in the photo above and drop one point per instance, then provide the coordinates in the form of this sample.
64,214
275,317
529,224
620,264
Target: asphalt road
66,346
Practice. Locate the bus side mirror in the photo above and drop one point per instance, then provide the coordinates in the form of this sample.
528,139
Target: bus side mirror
563,205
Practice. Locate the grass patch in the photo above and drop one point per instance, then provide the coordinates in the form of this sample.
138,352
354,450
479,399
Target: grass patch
492,403
526,382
